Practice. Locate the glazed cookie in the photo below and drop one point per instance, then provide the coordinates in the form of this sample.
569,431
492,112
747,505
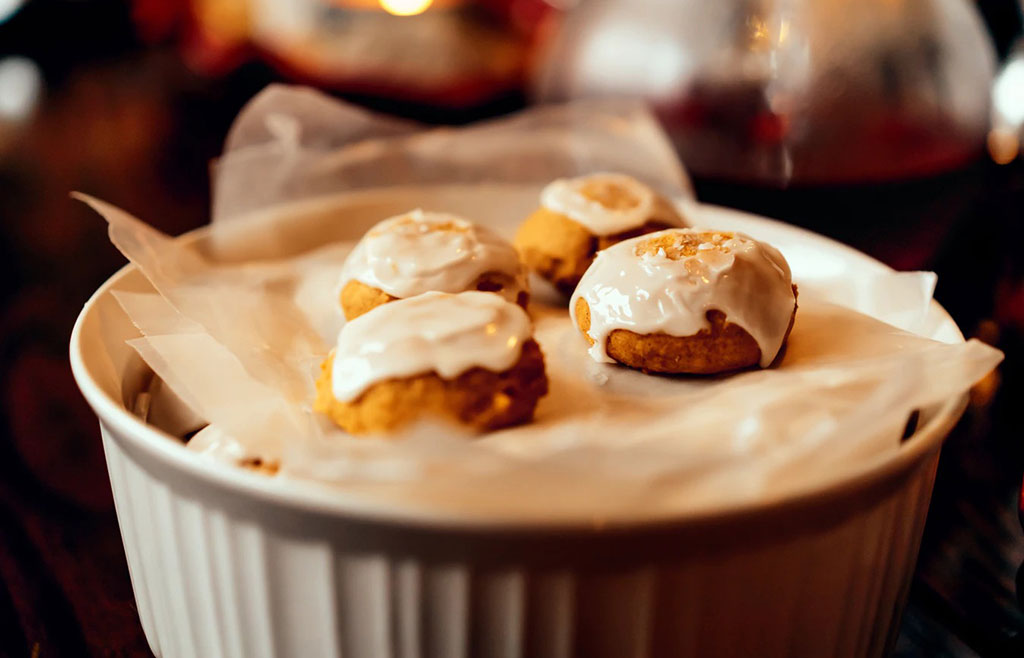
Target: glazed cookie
469,357
580,216
686,301
419,251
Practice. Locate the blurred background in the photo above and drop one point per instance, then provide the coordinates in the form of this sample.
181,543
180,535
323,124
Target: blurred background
892,125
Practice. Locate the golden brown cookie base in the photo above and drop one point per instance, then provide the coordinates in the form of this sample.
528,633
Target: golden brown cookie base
480,398
722,347
560,249
358,298
498,282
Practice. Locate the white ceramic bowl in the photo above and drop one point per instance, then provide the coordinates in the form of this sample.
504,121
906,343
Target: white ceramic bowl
226,562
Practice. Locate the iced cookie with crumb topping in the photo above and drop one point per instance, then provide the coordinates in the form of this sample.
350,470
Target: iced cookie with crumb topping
468,357
420,251
580,216
686,301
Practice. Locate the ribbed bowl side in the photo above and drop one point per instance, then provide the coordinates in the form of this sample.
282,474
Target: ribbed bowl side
211,583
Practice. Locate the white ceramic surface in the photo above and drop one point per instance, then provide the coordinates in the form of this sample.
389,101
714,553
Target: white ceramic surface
225,562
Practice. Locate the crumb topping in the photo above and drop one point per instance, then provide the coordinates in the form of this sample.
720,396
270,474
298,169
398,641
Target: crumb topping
422,223
677,245
610,194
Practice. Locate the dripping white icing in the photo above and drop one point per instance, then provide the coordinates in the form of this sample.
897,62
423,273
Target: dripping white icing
433,332
747,280
566,196
422,251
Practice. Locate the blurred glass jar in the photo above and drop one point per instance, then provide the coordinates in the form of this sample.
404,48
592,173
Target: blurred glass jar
784,92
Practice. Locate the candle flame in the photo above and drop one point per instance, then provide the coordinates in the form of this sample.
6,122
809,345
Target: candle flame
405,7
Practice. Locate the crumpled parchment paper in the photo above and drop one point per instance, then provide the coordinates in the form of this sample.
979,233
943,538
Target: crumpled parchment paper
241,318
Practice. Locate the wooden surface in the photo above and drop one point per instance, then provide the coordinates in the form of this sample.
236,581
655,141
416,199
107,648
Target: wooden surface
136,128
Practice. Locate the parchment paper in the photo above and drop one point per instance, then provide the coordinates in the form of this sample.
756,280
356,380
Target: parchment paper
239,341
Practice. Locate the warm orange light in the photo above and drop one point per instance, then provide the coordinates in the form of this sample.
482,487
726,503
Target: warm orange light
405,7
1003,146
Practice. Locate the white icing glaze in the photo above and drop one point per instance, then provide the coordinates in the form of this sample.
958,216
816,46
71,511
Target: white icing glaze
747,280
408,254
214,442
433,332
565,196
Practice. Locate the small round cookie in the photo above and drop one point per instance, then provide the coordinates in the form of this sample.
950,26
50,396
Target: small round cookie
418,252
580,216
686,301
469,357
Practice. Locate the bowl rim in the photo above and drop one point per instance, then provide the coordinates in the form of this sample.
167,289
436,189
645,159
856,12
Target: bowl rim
160,447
